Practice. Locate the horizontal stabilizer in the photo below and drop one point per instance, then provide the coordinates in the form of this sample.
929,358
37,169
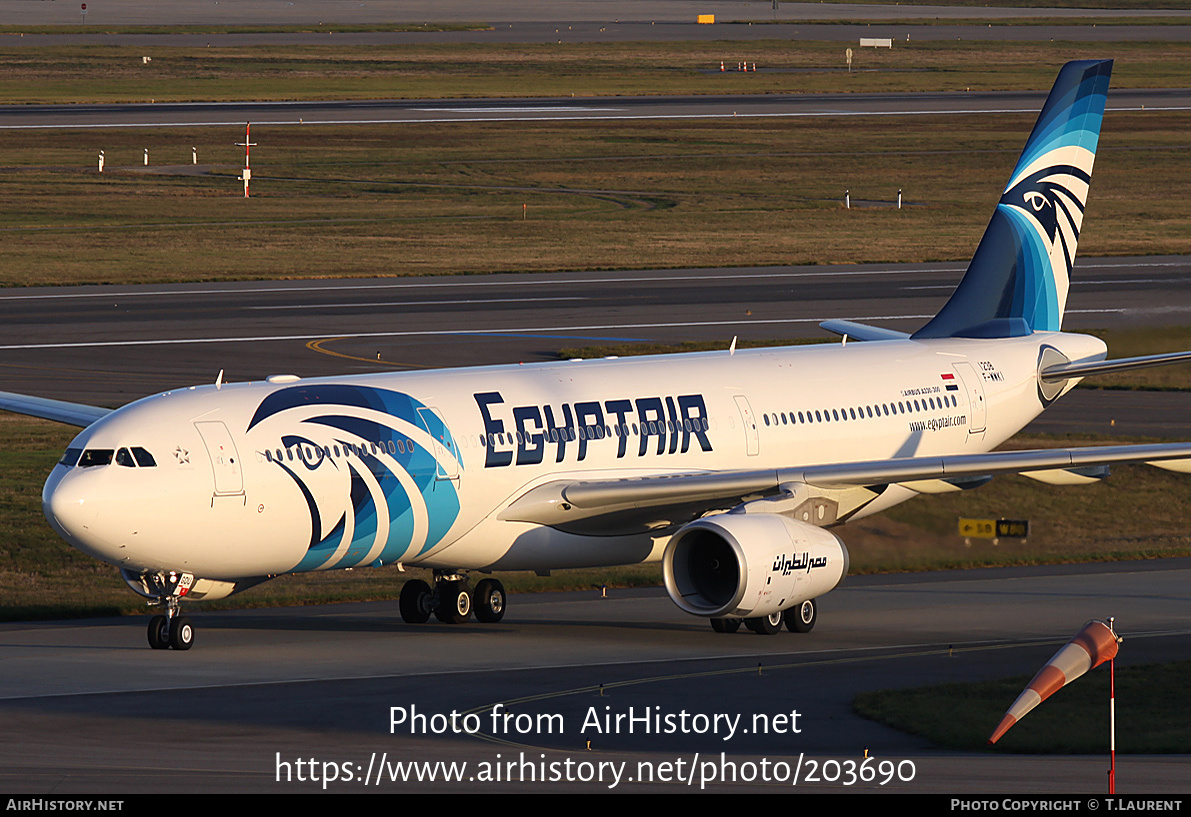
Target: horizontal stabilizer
74,414
858,331
1067,371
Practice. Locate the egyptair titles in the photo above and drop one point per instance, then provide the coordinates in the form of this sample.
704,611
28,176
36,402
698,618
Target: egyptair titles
799,562
528,435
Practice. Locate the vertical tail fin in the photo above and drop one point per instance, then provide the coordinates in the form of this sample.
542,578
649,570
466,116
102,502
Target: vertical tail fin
1017,281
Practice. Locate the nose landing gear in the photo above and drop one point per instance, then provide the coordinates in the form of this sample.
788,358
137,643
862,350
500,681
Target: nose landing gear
171,629
167,632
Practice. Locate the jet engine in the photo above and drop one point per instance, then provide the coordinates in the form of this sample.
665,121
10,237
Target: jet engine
748,565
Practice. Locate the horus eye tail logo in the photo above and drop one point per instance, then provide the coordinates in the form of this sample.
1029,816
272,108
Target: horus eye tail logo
1051,202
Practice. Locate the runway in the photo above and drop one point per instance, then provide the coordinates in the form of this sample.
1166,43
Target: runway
592,109
88,708
632,31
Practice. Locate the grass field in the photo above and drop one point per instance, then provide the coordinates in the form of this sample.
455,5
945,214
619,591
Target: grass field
408,200
117,73
1152,715
450,199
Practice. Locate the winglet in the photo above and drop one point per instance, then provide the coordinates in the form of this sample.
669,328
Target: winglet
1018,279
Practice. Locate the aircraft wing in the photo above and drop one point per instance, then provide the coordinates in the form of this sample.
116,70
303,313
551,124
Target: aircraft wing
566,503
75,414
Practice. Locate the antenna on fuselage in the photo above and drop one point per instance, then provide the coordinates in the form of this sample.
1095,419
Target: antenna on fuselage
219,380
732,348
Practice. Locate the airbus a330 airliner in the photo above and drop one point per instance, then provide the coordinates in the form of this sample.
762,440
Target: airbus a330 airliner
729,467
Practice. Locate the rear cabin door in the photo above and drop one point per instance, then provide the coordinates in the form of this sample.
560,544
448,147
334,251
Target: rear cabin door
974,388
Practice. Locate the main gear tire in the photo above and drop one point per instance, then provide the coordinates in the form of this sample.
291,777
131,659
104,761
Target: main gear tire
802,618
415,602
765,625
489,600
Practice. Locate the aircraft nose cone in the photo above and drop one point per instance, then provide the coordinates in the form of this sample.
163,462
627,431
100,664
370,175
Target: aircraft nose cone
70,511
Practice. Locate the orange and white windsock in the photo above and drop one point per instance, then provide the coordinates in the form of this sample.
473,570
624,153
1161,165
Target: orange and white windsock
1091,647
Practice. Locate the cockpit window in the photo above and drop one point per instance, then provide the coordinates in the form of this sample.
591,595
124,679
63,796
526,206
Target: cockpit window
143,458
124,457
96,456
71,457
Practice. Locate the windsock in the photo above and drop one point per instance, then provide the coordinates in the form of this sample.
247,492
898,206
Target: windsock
1091,647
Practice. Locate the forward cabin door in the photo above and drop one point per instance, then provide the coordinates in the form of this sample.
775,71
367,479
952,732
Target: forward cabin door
225,460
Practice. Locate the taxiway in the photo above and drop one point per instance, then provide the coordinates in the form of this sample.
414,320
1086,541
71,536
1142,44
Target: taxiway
88,708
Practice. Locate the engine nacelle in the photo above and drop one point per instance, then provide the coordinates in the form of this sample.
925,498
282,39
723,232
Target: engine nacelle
747,565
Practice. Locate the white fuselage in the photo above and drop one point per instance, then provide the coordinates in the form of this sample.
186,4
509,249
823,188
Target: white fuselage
265,478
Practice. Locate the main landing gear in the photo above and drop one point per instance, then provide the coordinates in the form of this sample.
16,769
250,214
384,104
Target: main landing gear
452,601
798,619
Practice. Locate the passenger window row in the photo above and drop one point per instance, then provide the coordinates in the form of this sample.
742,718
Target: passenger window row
862,412
310,453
